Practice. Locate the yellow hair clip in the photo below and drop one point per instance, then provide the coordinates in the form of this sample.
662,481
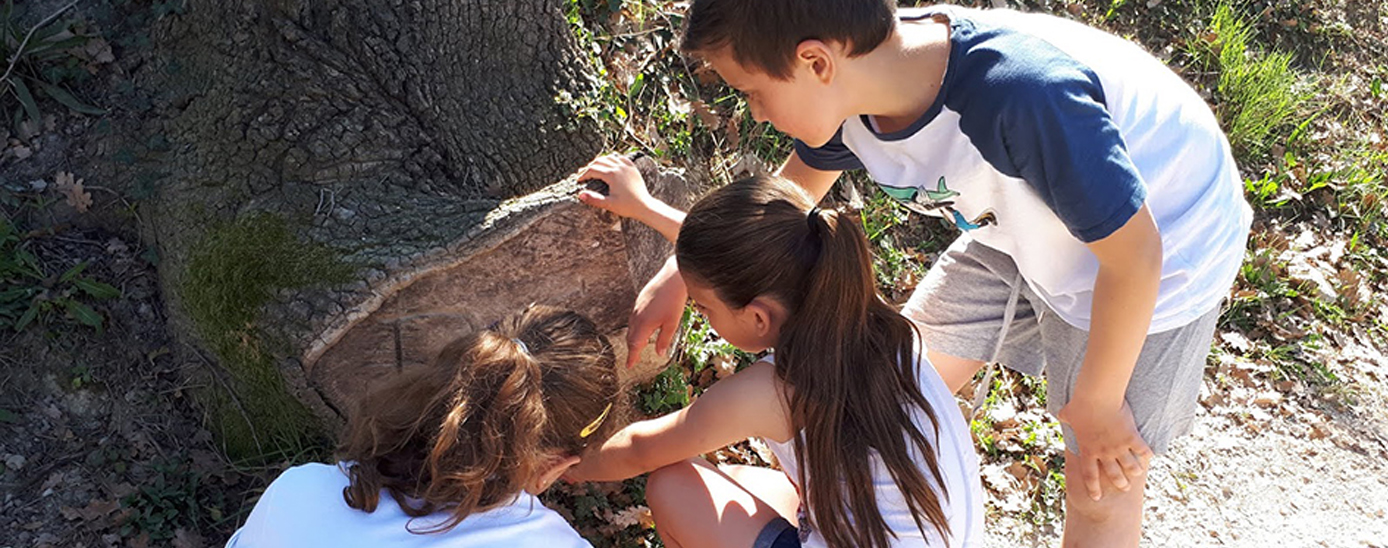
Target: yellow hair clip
593,426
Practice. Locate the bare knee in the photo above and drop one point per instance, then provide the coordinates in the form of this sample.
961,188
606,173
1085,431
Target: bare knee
1079,506
669,485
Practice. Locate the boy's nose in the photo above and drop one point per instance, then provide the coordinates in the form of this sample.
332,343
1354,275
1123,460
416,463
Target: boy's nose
757,115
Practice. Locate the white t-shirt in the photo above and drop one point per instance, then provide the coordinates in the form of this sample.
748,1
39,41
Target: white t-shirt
958,462
1046,135
303,508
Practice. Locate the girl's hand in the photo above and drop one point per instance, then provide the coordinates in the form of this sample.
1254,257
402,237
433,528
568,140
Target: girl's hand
627,195
1109,444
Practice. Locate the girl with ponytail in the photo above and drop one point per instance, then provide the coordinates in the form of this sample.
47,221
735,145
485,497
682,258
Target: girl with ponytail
874,449
453,454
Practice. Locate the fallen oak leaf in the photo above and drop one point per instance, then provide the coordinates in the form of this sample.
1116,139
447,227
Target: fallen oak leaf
77,197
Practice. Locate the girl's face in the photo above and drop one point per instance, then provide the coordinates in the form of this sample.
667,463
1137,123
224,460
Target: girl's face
752,328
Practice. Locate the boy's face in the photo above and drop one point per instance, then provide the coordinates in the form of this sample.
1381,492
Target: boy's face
803,107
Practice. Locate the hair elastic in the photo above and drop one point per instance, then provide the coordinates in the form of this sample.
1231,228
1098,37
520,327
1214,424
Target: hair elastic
524,349
813,215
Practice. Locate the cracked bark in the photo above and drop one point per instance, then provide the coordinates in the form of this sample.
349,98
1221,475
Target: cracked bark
420,138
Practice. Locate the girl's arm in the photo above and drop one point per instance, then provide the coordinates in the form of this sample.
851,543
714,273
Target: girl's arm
627,195
816,181
748,404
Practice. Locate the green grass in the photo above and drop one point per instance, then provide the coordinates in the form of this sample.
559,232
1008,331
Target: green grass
176,496
233,272
1259,93
40,62
32,292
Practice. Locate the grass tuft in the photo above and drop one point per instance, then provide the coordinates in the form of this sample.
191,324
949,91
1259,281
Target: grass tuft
1258,94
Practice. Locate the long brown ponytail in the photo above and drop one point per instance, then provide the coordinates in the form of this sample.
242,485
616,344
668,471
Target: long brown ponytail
847,355
466,434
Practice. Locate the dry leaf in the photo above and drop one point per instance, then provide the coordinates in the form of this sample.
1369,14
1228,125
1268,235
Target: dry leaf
706,75
77,197
184,538
95,510
706,115
99,51
28,129
724,365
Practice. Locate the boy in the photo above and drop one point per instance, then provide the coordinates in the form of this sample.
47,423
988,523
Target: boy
1102,212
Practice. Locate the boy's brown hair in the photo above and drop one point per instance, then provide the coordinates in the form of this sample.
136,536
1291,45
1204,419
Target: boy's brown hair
763,34
847,355
470,432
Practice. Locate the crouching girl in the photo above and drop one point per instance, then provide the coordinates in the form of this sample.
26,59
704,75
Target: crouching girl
453,454
874,449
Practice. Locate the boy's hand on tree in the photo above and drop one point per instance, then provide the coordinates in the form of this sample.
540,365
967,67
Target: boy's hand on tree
626,196
659,307
1109,446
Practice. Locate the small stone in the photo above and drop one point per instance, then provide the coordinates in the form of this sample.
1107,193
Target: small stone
15,462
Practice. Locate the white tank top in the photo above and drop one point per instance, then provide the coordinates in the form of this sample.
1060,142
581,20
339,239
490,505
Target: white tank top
959,465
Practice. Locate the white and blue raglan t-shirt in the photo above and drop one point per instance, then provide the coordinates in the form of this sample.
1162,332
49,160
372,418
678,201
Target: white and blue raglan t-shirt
1046,135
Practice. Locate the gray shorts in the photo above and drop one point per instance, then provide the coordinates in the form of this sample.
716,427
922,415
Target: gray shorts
960,307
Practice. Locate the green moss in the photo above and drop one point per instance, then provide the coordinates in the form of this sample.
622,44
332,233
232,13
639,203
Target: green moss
233,272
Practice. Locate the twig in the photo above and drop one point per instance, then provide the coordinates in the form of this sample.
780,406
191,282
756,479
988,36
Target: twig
14,59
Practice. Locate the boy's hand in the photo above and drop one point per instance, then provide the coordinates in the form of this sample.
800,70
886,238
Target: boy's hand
1109,445
627,195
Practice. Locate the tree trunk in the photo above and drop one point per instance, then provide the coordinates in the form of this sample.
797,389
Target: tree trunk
419,145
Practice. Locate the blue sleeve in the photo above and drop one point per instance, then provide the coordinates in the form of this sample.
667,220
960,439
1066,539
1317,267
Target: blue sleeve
833,156
1047,124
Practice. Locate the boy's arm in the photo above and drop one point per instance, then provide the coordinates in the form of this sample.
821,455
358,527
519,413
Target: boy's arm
1125,294
744,405
816,181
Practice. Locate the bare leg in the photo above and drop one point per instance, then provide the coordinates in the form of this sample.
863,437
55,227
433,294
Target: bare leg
771,486
1113,521
956,372
695,504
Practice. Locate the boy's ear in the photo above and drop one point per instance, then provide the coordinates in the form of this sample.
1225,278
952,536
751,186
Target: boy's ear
819,57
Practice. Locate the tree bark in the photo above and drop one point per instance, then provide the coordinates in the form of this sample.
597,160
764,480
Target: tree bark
421,140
